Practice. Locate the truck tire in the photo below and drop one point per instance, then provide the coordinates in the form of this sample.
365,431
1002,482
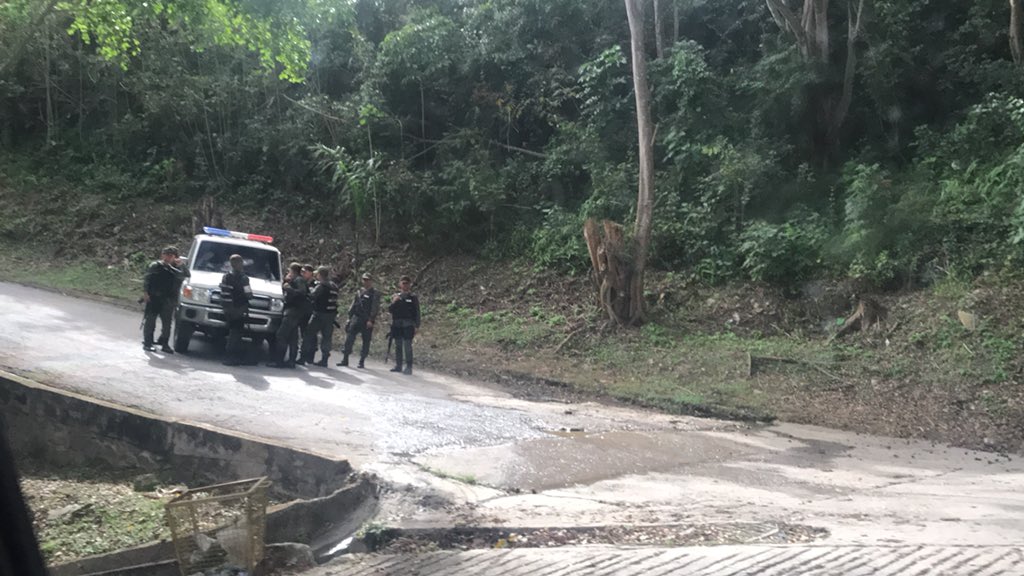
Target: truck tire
183,335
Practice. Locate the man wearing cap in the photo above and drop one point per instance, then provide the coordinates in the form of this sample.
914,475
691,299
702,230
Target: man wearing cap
160,293
296,309
362,315
235,295
405,322
321,324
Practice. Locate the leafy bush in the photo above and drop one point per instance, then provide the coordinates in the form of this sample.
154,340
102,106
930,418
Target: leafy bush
559,243
783,253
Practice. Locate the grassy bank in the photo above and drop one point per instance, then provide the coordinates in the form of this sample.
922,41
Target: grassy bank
36,265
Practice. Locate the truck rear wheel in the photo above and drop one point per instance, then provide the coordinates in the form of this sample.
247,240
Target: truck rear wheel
183,335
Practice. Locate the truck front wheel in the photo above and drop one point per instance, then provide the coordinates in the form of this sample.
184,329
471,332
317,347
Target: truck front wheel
183,335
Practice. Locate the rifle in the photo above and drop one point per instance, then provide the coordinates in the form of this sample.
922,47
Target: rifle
391,339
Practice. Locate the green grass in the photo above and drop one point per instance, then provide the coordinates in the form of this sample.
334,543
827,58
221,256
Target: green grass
506,328
111,516
24,265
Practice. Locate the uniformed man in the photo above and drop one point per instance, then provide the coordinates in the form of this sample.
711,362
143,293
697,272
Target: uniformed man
296,309
405,321
309,275
234,297
325,310
362,315
160,293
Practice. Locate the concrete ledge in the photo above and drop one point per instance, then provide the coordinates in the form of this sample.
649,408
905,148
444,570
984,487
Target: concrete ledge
65,428
81,430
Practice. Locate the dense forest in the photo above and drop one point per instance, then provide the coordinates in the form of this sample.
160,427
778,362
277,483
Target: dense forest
872,139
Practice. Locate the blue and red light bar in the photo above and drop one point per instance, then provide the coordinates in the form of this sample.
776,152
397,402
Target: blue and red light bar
239,235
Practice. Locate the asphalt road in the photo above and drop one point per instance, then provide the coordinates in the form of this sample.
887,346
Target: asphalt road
425,432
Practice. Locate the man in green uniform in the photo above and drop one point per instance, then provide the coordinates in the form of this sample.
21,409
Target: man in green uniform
361,317
308,274
160,293
235,293
325,310
405,321
296,308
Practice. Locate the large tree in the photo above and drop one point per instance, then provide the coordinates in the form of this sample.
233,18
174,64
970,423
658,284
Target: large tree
619,263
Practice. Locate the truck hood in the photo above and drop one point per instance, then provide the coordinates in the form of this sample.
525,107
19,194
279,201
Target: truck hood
261,287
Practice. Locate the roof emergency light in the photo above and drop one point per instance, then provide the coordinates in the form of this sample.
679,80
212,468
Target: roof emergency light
239,235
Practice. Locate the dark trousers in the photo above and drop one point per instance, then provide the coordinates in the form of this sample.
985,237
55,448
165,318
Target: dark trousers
403,336
321,325
162,308
358,328
235,319
288,335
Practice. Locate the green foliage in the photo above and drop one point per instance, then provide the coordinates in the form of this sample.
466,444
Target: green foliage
783,253
276,36
499,126
559,244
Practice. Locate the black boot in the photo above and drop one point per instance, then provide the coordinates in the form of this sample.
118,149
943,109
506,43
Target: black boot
323,361
302,361
166,349
408,370
362,363
397,368
344,360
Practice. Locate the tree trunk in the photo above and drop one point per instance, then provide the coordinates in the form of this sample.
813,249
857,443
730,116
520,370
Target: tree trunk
618,263
645,133
659,42
849,75
1016,49
613,271
675,22
46,74
810,29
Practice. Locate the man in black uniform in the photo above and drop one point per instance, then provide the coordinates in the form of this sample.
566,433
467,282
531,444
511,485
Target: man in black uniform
325,311
361,317
405,321
160,293
234,297
296,309
309,275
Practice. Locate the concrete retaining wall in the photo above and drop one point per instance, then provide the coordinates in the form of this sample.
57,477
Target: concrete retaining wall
63,428
68,429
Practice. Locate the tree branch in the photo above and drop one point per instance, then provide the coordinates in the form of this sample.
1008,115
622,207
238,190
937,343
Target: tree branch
849,75
528,152
1016,50
787,20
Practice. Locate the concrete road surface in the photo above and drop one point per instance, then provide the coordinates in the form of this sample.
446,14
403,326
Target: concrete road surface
424,434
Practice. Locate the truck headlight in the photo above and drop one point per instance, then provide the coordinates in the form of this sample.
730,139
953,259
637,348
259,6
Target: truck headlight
276,304
200,295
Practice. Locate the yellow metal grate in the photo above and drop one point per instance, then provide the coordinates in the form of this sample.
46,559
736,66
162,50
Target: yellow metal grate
219,529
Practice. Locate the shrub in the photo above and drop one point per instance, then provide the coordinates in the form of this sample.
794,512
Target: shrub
783,253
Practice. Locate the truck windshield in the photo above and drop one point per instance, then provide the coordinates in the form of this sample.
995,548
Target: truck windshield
259,263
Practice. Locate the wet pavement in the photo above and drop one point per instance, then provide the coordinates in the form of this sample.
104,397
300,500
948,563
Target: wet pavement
455,452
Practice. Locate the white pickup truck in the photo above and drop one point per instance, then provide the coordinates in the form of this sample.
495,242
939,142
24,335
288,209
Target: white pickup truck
199,309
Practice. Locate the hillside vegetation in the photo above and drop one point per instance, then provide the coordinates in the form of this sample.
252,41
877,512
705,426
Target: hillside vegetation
806,154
